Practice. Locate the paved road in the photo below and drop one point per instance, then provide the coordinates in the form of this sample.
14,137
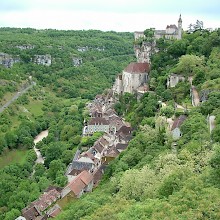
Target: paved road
16,96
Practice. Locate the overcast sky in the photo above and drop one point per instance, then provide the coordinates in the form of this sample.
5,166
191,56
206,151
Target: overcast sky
117,15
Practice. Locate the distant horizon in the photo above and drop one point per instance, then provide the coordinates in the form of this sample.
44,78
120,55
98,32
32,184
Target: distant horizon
118,16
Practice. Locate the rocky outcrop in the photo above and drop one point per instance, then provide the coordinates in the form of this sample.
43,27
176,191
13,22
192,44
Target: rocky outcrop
144,52
25,47
43,59
83,49
174,79
77,61
8,60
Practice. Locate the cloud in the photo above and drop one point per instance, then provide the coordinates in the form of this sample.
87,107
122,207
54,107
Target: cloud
119,15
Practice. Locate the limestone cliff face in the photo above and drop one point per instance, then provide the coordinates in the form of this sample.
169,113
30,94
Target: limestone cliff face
77,61
144,52
8,60
25,47
43,59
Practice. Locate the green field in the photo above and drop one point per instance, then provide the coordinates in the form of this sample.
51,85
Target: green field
12,156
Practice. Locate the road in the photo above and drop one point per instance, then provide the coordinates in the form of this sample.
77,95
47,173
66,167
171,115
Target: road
16,96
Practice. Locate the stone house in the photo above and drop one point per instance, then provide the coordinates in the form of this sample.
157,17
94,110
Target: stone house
110,154
80,184
175,130
97,124
174,79
35,209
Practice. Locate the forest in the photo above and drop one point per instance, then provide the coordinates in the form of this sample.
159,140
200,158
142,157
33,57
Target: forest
155,177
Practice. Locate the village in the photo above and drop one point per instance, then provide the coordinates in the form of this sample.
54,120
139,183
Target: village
88,166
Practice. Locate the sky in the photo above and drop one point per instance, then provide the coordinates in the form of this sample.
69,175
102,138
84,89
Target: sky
116,15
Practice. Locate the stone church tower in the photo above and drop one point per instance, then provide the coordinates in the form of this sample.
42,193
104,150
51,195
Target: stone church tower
180,28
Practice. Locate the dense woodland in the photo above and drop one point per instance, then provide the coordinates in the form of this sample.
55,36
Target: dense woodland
57,102
152,179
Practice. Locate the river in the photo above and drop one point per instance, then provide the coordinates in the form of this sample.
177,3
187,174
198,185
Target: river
37,139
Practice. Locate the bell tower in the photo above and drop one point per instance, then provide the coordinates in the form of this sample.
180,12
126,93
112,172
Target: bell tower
180,28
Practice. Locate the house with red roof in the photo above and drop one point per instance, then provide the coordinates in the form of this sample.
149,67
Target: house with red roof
80,184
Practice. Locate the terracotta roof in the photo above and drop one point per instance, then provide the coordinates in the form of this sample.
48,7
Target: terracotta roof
98,121
89,155
178,121
54,211
46,199
86,177
76,186
112,152
80,182
138,68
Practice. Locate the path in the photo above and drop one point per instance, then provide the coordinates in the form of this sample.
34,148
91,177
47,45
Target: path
195,96
37,139
211,123
16,96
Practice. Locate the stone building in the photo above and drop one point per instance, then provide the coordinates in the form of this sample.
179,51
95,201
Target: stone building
97,124
171,32
134,76
175,130
174,79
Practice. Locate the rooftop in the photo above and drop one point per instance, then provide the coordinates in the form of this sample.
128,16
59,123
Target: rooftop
138,68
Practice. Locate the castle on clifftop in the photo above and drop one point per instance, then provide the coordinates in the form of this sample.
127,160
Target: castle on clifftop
172,31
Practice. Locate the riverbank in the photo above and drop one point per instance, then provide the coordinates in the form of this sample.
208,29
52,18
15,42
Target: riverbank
37,139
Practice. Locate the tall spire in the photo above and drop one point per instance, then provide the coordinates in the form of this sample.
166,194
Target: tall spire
180,19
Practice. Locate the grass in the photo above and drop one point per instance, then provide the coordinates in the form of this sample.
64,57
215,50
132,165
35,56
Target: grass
35,107
9,157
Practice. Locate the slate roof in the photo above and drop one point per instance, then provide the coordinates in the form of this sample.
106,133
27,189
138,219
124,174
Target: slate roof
178,122
78,165
121,147
98,121
138,68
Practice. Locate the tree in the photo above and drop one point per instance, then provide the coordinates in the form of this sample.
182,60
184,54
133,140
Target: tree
189,65
54,167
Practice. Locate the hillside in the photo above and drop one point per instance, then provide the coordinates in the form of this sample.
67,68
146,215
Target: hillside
158,177
66,69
